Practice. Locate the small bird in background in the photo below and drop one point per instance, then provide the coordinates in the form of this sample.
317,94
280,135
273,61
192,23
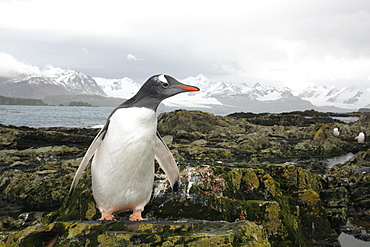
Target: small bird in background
125,148
336,131
361,137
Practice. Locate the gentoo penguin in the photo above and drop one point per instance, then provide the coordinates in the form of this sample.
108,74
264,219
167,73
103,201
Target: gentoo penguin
125,148
361,138
336,131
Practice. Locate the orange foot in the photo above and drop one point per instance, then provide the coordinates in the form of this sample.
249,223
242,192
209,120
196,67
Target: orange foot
136,216
105,216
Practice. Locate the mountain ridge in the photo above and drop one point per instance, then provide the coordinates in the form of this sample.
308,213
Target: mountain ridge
56,82
49,82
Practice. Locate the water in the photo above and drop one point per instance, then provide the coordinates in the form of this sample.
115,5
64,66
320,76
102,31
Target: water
339,159
347,119
53,116
347,240
78,116
61,116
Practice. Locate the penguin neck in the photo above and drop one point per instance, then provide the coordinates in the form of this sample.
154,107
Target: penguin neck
142,101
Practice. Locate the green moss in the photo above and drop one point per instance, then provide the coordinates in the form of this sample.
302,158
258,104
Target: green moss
250,178
251,234
146,227
270,185
91,211
290,232
113,239
233,179
75,228
203,233
206,239
309,197
29,236
290,177
271,217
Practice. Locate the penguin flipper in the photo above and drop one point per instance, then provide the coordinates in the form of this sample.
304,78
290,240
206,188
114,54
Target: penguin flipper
166,161
89,153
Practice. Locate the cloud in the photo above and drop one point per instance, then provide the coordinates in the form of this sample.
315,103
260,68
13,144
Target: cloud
132,57
273,42
11,67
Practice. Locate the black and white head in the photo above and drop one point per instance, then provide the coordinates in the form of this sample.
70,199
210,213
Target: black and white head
156,89
164,86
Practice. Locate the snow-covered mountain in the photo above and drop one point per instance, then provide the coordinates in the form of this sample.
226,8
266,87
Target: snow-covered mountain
73,81
347,98
217,95
48,82
123,88
268,98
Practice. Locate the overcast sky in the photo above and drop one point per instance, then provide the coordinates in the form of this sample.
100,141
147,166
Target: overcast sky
280,43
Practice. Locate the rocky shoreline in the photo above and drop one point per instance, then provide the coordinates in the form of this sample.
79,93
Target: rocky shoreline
247,180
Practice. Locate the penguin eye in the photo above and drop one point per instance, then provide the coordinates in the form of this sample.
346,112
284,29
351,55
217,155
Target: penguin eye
165,84
162,79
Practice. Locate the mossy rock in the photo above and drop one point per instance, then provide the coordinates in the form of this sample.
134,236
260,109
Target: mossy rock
124,233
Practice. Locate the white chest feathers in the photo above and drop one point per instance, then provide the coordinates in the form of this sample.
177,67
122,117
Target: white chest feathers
336,131
361,137
123,165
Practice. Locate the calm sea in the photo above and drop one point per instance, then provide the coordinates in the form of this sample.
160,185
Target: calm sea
63,116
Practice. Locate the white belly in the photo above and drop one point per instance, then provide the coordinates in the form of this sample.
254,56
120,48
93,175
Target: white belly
361,137
123,165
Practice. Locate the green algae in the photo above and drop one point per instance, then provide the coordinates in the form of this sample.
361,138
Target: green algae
91,211
88,233
282,199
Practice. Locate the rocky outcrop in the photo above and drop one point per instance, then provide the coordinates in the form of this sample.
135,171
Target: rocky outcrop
235,189
349,192
210,138
149,233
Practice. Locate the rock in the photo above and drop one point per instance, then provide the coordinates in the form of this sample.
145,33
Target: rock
346,194
277,197
231,139
233,182
124,233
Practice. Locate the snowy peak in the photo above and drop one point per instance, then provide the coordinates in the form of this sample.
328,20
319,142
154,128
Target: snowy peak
199,81
22,80
73,80
348,98
50,81
122,88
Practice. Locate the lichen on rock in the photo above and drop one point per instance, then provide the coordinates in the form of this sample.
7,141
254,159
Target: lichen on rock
235,190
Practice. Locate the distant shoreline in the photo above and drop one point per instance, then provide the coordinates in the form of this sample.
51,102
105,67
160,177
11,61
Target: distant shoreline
20,101
36,102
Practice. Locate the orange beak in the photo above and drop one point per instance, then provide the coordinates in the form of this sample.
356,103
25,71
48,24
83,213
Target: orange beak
189,88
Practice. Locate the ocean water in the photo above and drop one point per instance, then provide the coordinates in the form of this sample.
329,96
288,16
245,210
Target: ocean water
53,116
64,116
78,116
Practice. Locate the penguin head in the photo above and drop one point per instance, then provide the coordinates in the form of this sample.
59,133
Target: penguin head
165,86
156,89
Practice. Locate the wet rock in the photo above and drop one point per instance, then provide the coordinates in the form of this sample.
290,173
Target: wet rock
228,175
267,119
345,193
282,199
151,233
232,139
12,137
